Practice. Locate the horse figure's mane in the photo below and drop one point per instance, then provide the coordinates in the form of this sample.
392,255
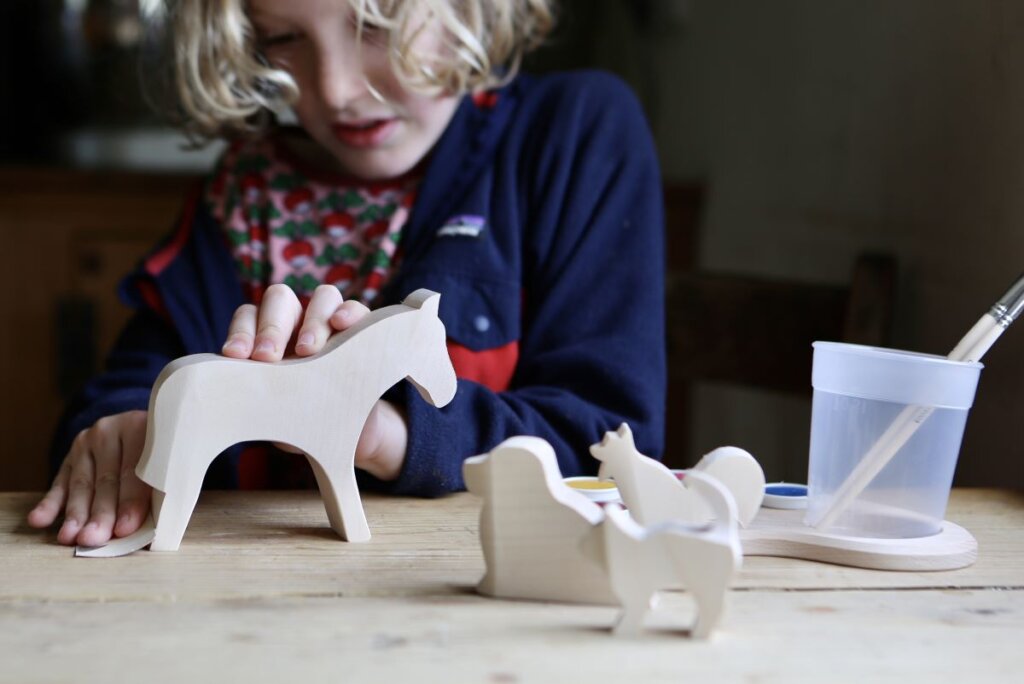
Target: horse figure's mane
373,318
412,304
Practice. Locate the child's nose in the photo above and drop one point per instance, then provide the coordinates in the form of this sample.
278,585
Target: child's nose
340,79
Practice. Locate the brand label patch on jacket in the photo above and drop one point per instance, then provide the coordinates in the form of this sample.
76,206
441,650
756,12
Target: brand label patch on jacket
463,225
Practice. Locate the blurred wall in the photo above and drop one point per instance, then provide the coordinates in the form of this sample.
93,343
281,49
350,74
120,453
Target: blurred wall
828,128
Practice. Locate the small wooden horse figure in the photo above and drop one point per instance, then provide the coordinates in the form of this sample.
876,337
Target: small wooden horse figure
204,403
643,560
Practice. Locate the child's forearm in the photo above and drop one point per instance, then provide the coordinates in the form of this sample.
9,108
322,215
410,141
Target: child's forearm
382,446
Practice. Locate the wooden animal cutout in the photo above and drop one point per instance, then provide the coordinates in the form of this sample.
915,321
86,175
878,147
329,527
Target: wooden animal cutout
205,403
653,494
740,473
531,526
648,488
641,561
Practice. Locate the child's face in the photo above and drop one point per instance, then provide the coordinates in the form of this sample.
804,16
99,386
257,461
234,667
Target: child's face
350,101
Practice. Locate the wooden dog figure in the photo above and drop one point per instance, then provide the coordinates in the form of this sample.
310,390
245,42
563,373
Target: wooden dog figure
531,526
652,492
205,403
640,561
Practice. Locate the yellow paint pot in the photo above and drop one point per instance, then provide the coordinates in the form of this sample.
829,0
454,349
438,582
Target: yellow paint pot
597,490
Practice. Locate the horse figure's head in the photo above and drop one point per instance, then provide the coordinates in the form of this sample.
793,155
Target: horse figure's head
432,373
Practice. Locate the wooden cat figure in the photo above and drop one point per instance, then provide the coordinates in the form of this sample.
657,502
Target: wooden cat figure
654,494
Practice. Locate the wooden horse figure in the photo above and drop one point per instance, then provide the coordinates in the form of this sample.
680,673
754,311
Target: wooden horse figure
205,403
642,560
652,492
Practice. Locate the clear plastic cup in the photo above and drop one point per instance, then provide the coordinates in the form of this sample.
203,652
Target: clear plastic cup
858,394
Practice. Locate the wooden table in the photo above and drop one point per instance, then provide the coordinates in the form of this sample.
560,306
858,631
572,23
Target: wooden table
262,590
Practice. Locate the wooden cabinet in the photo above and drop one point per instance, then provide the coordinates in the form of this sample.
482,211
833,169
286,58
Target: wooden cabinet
69,237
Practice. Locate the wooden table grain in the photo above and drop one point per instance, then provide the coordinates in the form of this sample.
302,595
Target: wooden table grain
262,590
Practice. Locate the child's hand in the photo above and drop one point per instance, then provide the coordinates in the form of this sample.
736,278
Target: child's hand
96,486
263,334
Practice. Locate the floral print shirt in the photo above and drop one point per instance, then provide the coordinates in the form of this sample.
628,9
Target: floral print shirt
288,224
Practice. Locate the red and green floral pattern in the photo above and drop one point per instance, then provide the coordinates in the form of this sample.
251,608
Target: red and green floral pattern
284,227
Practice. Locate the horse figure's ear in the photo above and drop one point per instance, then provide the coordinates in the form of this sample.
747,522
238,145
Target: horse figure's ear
425,300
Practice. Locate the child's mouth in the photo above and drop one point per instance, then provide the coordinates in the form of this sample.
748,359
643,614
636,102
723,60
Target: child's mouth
364,133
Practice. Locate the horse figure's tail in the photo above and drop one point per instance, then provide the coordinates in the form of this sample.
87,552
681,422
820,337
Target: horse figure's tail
163,415
725,515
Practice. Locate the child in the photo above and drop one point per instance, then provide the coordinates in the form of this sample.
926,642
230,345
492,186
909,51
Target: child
532,204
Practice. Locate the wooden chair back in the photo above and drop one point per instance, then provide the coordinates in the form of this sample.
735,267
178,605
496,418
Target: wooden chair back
753,331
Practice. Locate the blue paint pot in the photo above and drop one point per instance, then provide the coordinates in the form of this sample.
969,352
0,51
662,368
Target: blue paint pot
786,495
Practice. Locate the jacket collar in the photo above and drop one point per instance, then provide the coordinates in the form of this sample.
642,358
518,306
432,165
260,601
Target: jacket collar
460,155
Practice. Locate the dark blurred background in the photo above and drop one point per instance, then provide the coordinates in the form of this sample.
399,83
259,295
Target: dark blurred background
81,87
832,168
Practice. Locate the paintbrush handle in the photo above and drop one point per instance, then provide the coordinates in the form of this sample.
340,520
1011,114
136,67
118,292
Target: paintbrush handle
965,347
985,340
877,457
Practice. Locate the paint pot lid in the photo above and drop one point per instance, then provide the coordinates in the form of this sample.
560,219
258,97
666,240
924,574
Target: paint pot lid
787,495
594,488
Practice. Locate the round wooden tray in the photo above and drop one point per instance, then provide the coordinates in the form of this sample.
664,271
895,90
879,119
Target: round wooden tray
778,532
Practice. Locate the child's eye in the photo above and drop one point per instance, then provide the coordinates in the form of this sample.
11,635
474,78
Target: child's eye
371,33
278,39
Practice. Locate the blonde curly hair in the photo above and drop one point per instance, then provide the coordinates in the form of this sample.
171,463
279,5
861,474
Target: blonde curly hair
226,87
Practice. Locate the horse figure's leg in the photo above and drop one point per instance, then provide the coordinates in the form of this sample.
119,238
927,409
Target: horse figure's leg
172,511
341,499
707,580
631,621
709,604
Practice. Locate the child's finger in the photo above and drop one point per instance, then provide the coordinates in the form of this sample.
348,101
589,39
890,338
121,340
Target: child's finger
133,506
80,485
315,327
134,494
100,525
49,507
279,314
241,333
348,314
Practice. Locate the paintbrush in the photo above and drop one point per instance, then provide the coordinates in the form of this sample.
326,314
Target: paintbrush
972,347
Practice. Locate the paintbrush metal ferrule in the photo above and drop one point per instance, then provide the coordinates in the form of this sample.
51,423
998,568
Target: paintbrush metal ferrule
1010,305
